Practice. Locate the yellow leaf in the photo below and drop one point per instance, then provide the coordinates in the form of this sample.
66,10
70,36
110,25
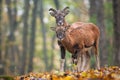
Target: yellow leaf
84,74
68,78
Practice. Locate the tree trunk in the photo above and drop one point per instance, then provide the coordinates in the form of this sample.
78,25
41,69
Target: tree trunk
12,13
116,13
43,30
32,38
25,38
1,61
101,25
0,30
57,4
92,10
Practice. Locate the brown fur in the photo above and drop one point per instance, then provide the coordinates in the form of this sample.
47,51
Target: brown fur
80,37
83,35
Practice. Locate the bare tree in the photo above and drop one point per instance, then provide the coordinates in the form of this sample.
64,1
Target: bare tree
25,38
92,10
43,30
1,61
0,30
57,4
12,13
32,38
116,12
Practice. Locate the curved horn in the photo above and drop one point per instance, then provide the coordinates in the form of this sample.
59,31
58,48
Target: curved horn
65,8
51,9
53,12
66,11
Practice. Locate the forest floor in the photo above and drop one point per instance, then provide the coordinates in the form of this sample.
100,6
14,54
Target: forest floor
106,73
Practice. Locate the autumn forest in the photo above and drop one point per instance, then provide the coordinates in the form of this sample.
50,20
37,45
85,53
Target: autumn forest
27,44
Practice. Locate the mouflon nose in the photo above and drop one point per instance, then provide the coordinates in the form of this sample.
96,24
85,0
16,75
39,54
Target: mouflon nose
60,36
60,23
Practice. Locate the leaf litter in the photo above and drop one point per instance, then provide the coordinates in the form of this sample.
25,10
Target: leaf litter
105,73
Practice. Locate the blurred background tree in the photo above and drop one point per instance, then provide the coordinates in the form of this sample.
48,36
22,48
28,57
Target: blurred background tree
27,44
116,22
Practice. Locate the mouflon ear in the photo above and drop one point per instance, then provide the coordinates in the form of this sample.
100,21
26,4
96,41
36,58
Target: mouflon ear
53,28
66,11
52,12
